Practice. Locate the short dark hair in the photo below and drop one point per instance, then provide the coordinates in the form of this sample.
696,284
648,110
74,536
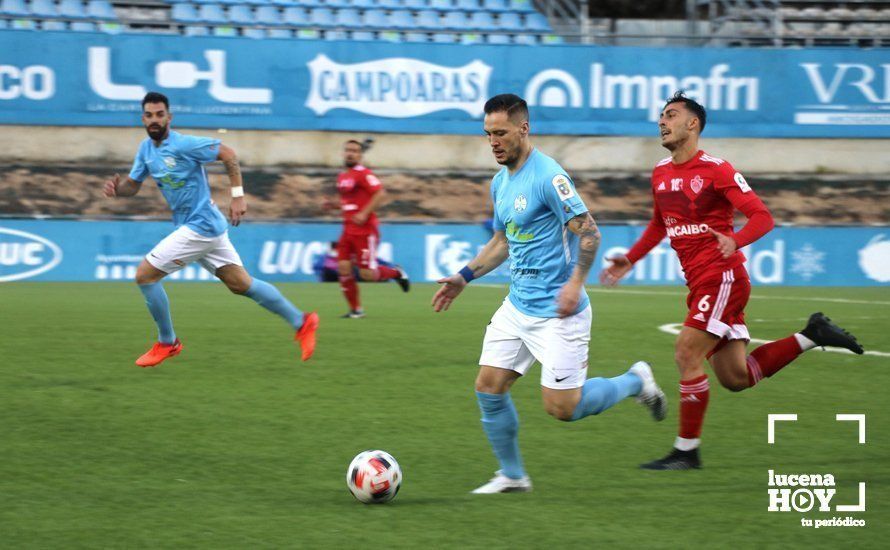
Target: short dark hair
155,97
692,105
354,142
511,104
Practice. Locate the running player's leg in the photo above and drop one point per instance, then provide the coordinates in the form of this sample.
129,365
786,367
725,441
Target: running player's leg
348,285
370,270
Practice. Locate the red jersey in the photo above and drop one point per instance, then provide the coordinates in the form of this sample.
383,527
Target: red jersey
690,198
356,187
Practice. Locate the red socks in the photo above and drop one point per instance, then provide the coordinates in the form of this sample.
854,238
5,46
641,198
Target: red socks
694,395
386,273
350,291
769,359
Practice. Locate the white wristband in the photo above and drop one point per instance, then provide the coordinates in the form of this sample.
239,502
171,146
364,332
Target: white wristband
237,192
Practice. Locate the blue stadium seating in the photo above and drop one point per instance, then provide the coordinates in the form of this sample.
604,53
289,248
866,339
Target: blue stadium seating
284,3
498,38
3,24
510,21
390,4
401,19
537,22
24,25
525,39
280,34
416,37
83,26
363,4
308,34
241,15
295,17
483,21
335,35
14,7
184,12
211,13
348,18
416,5
254,2
53,26
552,39
522,6
311,3
225,31
254,33
335,4
470,38
441,5
427,20
495,5
100,9
377,19
470,6
44,8
268,15
455,21
390,36
111,27
321,17
443,38
364,36
72,9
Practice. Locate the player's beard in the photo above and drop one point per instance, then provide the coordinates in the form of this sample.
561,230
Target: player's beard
157,131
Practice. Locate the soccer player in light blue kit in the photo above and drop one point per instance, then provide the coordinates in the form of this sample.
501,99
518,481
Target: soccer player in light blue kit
176,164
543,227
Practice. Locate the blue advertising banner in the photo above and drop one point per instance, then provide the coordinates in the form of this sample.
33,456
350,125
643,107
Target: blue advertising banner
47,250
98,79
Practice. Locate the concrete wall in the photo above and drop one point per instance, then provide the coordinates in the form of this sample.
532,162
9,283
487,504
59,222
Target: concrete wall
116,146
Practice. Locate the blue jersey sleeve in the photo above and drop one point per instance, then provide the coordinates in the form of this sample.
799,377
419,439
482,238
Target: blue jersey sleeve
200,149
139,171
562,198
496,223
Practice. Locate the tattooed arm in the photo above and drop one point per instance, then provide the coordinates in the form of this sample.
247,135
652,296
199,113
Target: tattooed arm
238,206
493,254
585,227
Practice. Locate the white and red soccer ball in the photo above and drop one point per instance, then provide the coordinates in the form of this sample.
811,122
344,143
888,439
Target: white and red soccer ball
374,477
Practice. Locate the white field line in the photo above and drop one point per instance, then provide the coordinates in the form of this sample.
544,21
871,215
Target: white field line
753,296
674,328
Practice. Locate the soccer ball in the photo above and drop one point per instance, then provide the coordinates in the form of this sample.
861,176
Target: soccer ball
374,477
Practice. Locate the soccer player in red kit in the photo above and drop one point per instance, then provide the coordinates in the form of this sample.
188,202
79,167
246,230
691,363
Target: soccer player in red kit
360,194
696,196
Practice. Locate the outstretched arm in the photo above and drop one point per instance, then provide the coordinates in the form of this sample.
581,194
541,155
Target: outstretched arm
620,264
238,206
114,187
585,227
493,254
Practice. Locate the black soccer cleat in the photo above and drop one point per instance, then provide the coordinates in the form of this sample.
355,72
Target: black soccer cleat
823,332
353,314
403,281
676,460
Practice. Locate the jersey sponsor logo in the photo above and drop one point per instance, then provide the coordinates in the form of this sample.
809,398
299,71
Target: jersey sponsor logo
24,255
167,181
687,230
563,187
397,87
520,204
524,273
677,184
513,230
740,181
661,187
696,183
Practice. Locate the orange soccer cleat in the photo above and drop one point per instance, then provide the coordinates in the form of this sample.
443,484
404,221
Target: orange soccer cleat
158,353
306,335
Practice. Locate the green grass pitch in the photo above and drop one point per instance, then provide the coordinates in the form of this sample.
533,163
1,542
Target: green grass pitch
237,444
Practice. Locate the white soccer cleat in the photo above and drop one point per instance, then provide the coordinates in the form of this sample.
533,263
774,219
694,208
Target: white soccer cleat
503,484
651,396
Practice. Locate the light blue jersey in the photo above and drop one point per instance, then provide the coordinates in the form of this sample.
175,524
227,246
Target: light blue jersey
532,207
177,166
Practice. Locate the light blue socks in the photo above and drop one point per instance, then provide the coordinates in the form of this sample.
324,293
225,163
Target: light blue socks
501,425
271,298
159,306
599,394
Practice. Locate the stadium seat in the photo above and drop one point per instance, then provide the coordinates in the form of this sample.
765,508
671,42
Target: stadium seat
212,13
510,21
13,7
268,15
401,19
482,20
295,17
254,2
390,36
362,4
4,24
441,5
72,9
44,8
308,34
24,25
225,31
455,20
335,35
286,34
335,3
525,39
83,26
100,9
193,30
375,19
363,36
321,17
552,39
53,26
416,37
498,38
522,6
443,38
390,4
427,20
469,6
111,27
348,18
495,5
184,12
537,22
470,38
284,3
253,33
415,5
241,15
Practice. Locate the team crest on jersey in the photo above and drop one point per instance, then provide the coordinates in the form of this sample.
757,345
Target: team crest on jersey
696,183
520,204
563,188
170,162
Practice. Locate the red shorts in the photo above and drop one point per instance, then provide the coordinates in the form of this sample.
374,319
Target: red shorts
361,250
718,306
